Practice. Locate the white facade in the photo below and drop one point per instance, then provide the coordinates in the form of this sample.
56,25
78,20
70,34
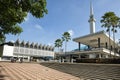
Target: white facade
92,55
26,50
8,50
32,52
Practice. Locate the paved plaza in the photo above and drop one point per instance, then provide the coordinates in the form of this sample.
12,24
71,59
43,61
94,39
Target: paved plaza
88,71
31,71
58,71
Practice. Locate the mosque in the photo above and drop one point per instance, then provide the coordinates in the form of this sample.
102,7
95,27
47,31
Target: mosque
26,50
98,44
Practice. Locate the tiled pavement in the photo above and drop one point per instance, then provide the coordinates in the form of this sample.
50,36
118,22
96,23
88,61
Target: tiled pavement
31,71
88,71
58,71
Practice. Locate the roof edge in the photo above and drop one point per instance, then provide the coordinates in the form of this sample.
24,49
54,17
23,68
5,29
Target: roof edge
99,32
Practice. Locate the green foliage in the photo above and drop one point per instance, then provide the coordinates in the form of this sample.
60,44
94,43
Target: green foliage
13,12
58,43
66,36
110,20
39,8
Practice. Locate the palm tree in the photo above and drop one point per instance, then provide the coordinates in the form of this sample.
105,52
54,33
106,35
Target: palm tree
58,43
110,20
115,24
66,37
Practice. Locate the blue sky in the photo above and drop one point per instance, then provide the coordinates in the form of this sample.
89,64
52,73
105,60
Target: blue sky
65,15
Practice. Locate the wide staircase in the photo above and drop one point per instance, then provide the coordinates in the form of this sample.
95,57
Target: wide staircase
31,71
88,71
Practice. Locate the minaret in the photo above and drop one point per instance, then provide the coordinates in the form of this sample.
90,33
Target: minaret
92,20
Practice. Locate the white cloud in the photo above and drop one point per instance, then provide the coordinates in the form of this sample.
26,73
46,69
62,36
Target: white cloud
38,26
71,32
50,44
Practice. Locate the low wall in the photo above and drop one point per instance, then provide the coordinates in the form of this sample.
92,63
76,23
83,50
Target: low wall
107,60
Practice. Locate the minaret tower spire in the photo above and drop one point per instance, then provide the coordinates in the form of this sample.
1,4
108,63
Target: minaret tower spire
92,20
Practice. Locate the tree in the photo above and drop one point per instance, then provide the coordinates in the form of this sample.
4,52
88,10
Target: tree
66,37
58,44
115,25
110,20
13,12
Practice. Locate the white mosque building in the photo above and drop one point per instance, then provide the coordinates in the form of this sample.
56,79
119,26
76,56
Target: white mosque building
26,50
98,44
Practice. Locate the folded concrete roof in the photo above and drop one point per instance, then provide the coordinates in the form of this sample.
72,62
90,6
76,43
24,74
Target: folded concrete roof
92,39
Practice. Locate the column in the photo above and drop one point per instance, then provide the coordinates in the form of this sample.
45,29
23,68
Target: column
23,57
111,48
88,47
106,45
71,59
98,42
60,60
29,59
79,45
63,60
99,55
79,56
106,56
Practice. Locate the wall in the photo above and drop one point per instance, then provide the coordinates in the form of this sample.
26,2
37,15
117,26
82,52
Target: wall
7,50
32,52
92,55
1,50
